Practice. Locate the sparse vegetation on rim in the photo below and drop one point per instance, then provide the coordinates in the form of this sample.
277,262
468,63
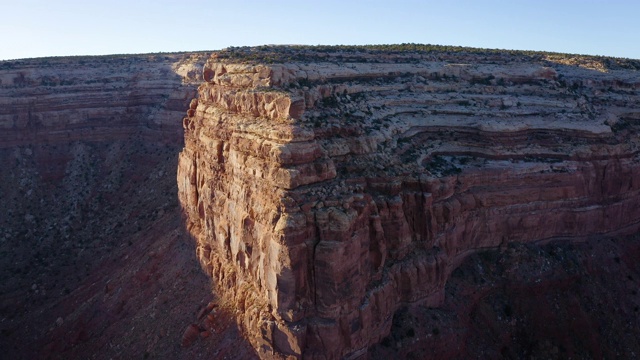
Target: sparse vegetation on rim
410,51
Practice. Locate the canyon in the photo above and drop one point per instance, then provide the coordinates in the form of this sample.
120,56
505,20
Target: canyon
95,261
320,203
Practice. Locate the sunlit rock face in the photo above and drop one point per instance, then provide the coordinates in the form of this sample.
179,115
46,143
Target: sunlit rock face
329,188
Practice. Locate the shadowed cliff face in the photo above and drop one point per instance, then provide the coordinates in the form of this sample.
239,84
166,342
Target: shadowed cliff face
329,191
95,261
554,301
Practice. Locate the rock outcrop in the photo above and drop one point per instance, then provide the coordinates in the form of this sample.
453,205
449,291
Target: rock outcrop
329,188
60,100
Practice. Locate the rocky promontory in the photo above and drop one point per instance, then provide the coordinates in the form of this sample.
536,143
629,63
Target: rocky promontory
330,189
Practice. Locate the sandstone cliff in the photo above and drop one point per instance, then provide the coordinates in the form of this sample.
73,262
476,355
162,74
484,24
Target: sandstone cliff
59,100
329,188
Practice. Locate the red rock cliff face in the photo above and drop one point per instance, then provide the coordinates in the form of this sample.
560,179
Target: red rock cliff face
328,190
59,100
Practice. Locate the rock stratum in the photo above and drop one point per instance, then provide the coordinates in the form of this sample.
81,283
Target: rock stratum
60,100
334,192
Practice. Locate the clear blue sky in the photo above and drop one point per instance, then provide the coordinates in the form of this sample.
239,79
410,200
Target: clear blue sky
35,28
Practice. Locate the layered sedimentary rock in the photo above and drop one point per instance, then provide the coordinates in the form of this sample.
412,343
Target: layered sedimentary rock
328,188
59,100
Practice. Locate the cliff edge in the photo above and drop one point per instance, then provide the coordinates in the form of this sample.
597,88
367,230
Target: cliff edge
329,188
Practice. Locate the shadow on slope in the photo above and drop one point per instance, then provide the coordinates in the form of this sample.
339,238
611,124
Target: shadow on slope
94,259
553,301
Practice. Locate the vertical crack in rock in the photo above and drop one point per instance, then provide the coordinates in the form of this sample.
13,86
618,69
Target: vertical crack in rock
327,189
